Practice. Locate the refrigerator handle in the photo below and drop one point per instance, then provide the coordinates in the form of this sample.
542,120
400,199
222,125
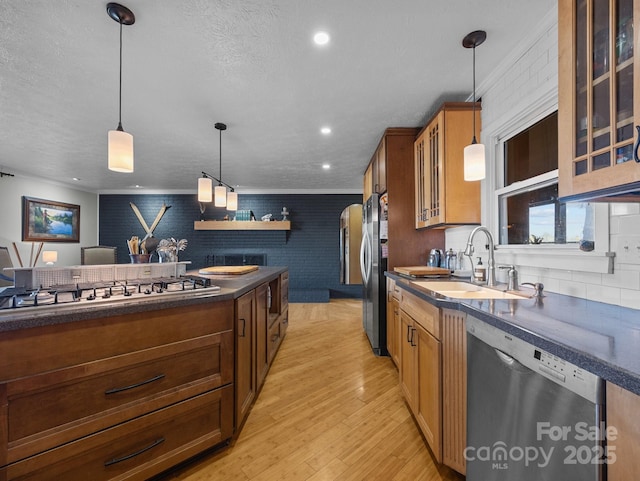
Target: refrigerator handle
363,260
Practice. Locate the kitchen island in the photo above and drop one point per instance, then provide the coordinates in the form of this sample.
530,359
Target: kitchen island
128,387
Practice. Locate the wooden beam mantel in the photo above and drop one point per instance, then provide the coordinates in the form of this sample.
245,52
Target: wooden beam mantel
241,225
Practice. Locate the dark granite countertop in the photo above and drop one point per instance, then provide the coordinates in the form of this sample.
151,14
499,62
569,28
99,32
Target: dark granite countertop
601,338
231,287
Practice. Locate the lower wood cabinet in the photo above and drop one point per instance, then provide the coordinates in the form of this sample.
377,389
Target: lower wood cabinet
147,444
394,330
432,366
262,317
245,382
622,414
421,367
125,396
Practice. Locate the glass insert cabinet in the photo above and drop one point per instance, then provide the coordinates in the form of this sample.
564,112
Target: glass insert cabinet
599,102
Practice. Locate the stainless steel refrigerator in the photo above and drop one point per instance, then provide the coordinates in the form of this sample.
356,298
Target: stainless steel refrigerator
373,263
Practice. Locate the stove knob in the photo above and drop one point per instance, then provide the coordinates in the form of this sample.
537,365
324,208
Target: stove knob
127,293
159,290
106,295
147,291
91,297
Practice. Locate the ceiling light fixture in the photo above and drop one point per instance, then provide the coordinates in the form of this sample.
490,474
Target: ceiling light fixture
326,166
219,194
474,154
325,130
120,142
321,38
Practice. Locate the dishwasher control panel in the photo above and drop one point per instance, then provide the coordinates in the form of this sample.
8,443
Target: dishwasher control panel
517,353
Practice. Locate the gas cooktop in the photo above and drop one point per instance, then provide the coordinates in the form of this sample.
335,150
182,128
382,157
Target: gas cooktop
87,292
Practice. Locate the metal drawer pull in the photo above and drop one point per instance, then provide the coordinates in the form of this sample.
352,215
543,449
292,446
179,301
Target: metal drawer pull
133,386
133,455
637,146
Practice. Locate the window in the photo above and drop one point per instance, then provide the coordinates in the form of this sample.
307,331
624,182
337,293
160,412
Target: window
528,205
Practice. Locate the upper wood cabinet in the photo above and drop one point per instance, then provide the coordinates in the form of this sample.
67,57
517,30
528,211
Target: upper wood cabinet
406,245
442,197
598,99
375,177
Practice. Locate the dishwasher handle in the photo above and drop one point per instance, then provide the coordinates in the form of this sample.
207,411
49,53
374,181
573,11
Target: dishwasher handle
510,362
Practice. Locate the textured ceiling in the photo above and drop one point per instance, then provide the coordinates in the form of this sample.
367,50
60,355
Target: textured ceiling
248,63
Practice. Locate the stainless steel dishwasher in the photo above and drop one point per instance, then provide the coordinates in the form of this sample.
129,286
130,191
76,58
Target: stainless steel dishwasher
531,415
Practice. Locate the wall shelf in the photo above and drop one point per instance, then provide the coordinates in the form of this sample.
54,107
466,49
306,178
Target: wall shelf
241,225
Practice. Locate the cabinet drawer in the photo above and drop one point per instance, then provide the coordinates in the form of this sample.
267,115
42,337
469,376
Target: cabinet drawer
427,315
26,352
139,448
92,396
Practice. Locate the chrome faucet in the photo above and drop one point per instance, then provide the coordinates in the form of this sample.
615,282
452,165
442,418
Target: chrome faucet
491,264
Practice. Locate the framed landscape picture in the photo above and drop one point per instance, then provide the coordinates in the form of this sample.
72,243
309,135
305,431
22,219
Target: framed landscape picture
49,221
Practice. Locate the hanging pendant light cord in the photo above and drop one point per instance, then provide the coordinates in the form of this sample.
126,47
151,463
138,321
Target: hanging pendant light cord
473,106
220,156
120,85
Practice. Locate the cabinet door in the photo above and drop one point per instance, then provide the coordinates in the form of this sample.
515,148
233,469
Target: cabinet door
421,170
380,176
428,405
408,359
367,189
622,414
434,176
245,362
262,316
598,98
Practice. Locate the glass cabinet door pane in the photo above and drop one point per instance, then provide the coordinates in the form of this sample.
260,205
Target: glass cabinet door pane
600,38
601,118
624,75
581,78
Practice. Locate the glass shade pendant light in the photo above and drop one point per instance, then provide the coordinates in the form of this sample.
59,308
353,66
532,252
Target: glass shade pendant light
205,189
120,143
474,153
219,194
232,200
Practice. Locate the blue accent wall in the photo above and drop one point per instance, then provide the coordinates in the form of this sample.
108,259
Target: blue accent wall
310,250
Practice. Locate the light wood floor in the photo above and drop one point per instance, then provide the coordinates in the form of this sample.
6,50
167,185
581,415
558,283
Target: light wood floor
329,410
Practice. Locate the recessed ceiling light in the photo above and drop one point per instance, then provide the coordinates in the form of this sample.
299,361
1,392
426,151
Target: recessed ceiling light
76,179
321,38
326,166
325,130
138,186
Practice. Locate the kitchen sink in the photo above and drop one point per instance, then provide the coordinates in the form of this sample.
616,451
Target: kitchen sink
465,290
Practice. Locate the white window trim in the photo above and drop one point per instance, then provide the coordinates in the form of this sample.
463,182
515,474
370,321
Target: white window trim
563,257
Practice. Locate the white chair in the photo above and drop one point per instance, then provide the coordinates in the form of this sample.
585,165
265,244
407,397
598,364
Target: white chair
97,255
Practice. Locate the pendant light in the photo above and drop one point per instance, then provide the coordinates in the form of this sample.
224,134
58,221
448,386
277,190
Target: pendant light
218,195
120,142
474,154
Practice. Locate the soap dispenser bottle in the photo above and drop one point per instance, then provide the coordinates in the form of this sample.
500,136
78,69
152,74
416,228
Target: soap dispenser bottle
480,273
